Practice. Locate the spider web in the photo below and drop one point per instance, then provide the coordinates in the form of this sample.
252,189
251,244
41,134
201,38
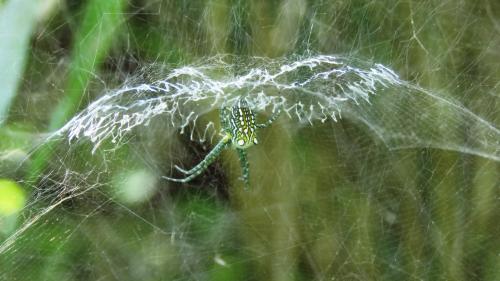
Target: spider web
366,175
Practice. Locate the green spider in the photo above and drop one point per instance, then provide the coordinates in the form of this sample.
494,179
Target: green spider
240,133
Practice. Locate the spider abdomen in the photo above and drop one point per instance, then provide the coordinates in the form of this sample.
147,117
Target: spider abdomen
241,123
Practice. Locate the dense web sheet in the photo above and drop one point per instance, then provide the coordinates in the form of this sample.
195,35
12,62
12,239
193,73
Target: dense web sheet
372,171
306,89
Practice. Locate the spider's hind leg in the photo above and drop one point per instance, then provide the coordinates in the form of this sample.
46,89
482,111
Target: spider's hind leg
244,167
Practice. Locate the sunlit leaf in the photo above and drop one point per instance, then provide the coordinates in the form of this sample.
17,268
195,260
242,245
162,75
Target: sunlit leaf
12,197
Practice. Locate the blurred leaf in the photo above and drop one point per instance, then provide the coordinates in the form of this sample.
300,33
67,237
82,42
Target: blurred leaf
92,42
12,197
17,19
135,186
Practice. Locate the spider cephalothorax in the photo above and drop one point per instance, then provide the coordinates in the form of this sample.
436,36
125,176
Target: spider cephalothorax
239,132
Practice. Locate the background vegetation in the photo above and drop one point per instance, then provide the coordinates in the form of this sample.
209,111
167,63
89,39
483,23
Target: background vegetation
329,202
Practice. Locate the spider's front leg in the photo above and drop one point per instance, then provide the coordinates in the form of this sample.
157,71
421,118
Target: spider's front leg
192,170
203,165
274,116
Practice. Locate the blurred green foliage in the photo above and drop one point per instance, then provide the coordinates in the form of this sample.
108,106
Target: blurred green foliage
19,16
12,197
332,203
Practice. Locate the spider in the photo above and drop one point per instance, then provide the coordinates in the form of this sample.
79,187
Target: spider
239,133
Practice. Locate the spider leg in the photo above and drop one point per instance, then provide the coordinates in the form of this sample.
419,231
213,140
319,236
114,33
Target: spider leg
210,154
186,172
223,116
244,167
183,180
186,179
274,116
203,165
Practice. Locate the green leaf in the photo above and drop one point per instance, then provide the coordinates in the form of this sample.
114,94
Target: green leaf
92,42
12,197
17,20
